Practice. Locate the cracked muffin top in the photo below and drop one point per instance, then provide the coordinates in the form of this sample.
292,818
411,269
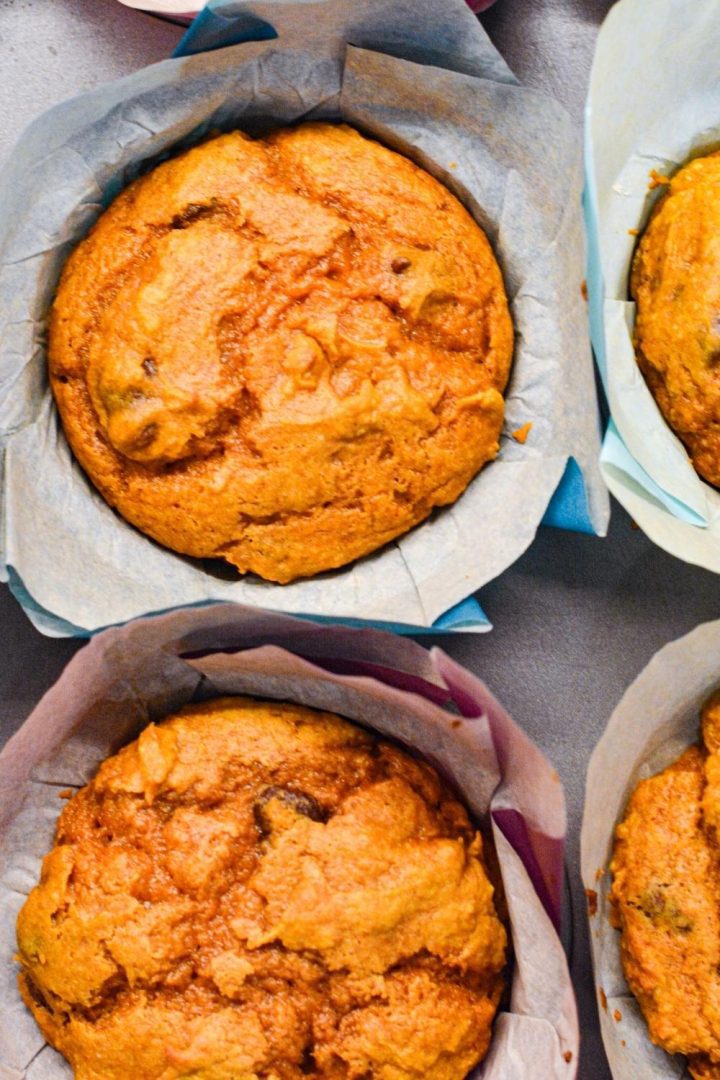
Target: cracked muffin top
676,284
259,891
282,352
665,898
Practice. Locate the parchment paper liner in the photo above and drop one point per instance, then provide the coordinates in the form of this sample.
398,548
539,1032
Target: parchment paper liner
453,106
125,677
657,718
652,104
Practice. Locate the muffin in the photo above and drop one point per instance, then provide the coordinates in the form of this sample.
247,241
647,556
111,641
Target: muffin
665,899
258,890
282,352
676,285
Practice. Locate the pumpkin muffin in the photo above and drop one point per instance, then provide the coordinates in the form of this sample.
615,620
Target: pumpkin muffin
666,900
676,284
282,352
259,891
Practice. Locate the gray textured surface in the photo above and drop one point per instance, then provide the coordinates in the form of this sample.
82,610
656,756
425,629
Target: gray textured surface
577,617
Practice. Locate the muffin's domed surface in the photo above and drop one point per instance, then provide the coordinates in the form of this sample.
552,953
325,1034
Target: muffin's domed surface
283,352
254,890
676,284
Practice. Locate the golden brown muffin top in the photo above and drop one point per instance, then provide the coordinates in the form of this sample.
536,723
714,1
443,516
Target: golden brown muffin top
255,890
283,352
666,900
676,285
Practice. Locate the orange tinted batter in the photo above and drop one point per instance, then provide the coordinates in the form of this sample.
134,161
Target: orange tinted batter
256,891
676,284
282,352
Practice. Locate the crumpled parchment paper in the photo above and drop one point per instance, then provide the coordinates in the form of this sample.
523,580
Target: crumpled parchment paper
432,87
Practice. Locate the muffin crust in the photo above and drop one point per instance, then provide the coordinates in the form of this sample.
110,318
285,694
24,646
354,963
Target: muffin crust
283,352
257,891
676,284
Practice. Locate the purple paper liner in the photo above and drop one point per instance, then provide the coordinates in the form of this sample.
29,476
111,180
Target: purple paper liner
528,844
400,680
542,855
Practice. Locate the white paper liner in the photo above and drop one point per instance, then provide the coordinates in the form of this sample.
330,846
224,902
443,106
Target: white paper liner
186,10
652,104
517,170
127,676
657,718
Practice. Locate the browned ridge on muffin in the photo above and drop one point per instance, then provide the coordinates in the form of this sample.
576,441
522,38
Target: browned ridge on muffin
259,891
283,352
666,900
676,284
